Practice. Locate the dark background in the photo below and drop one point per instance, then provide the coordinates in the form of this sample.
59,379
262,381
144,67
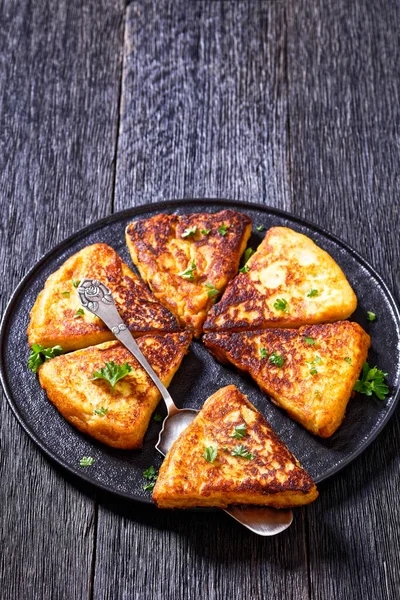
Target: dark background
104,106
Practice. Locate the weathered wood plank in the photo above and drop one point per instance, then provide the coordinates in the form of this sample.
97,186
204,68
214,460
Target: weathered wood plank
60,67
203,103
344,127
203,114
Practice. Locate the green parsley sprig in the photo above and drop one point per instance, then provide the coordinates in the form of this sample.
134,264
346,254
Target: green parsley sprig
276,359
371,316
112,373
372,381
310,341
79,313
101,411
39,354
223,229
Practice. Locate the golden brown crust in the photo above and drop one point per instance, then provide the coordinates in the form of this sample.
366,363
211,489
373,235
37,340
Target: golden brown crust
67,381
53,319
272,478
314,391
160,253
286,265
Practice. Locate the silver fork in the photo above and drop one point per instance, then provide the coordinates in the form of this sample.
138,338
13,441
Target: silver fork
96,297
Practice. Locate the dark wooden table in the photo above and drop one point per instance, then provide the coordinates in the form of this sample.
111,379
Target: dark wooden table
104,106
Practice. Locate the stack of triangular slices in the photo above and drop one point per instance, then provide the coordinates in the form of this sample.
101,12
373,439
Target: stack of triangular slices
280,319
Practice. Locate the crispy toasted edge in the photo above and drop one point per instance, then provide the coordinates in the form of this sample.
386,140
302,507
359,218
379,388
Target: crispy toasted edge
61,398
323,427
163,498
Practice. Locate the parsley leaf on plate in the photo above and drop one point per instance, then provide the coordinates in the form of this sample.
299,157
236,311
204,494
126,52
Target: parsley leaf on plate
39,354
372,381
151,475
311,293
112,373
86,461
371,316
260,228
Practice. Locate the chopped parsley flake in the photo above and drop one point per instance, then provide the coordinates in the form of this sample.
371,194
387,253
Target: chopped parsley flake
223,229
260,228
188,272
263,353
76,282
157,418
205,231
66,294
311,293
86,461
281,304
242,452
313,371
348,359
371,316
244,269
189,231
101,411
151,475
276,359
310,341
79,313
210,453
212,290
240,431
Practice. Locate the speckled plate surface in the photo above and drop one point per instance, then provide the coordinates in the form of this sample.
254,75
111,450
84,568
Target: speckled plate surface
200,375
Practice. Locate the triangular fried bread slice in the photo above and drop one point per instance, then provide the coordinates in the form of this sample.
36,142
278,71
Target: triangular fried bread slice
290,282
188,260
54,317
269,476
309,372
118,419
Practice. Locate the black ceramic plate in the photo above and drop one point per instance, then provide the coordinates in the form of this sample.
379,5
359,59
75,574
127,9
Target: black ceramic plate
200,375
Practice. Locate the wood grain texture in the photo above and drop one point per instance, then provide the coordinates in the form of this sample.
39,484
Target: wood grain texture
203,103
344,127
60,67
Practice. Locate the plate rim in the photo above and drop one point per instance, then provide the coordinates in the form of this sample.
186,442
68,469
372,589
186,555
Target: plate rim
163,206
